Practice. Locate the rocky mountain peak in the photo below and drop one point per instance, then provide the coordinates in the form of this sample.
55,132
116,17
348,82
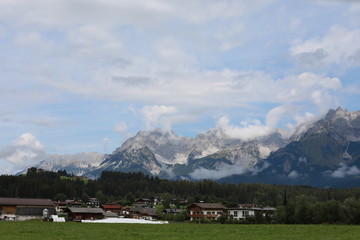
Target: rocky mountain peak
333,115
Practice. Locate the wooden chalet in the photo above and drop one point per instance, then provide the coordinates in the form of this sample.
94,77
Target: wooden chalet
27,207
78,214
144,201
210,211
111,207
144,213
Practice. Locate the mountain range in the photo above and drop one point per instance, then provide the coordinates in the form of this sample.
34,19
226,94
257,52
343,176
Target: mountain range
325,153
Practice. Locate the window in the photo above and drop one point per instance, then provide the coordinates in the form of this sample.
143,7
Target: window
235,213
208,213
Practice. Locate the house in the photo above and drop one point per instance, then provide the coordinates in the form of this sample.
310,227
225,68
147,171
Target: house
111,207
144,201
73,203
25,208
157,200
180,201
93,202
172,210
249,210
144,213
210,211
60,206
125,211
78,214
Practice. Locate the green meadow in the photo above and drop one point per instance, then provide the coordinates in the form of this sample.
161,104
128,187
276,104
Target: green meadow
31,230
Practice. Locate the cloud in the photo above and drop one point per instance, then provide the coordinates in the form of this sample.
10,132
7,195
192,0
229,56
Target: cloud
345,171
24,151
105,142
225,170
253,129
339,47
164,117
136,12
158,116
121,127
132,81
294,174
163,55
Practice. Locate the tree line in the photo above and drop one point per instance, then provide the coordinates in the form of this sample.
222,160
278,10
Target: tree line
295,204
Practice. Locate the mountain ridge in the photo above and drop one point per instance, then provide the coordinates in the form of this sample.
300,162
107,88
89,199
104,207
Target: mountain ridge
327,149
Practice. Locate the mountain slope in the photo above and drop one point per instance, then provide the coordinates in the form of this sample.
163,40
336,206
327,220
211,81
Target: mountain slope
326,154
78,164
165,154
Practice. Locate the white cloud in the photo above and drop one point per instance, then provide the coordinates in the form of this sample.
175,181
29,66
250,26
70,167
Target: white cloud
294,174
138,12
158,116
121,127
253,129
340,46
302,122
345,171
160,54
225,170
24,151
164,117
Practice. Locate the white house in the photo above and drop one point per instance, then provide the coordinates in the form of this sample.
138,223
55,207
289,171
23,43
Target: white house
242,212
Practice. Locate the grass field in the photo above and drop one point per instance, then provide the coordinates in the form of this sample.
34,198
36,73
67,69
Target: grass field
88,231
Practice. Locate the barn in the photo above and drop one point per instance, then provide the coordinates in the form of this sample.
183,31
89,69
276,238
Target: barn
78,213
25,208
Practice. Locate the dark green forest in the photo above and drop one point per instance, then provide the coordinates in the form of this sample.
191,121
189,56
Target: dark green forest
295,204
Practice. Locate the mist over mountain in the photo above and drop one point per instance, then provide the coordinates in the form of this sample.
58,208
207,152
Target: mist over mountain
163,153
79,164
325,153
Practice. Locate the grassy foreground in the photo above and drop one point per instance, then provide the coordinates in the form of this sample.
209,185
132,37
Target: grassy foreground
88,231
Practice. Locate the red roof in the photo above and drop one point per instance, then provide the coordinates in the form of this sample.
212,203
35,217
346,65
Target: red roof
111,206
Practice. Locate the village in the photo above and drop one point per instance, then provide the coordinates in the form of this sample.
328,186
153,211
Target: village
148,210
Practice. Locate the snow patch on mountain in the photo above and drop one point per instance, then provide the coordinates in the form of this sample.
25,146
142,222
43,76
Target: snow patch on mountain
77,164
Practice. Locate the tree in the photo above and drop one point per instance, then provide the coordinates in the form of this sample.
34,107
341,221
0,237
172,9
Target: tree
130,197
302,211
60,197
167,200
101,197
318,213
280,214
351,209
84,197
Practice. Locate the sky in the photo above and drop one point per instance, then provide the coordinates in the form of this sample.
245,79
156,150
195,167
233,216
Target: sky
84,75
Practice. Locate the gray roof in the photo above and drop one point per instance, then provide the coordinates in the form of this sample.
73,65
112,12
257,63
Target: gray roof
110,215
26,202
172,210
147,211
253,208
85,210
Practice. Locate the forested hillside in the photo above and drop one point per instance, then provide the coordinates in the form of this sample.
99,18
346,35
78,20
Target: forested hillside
126,186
